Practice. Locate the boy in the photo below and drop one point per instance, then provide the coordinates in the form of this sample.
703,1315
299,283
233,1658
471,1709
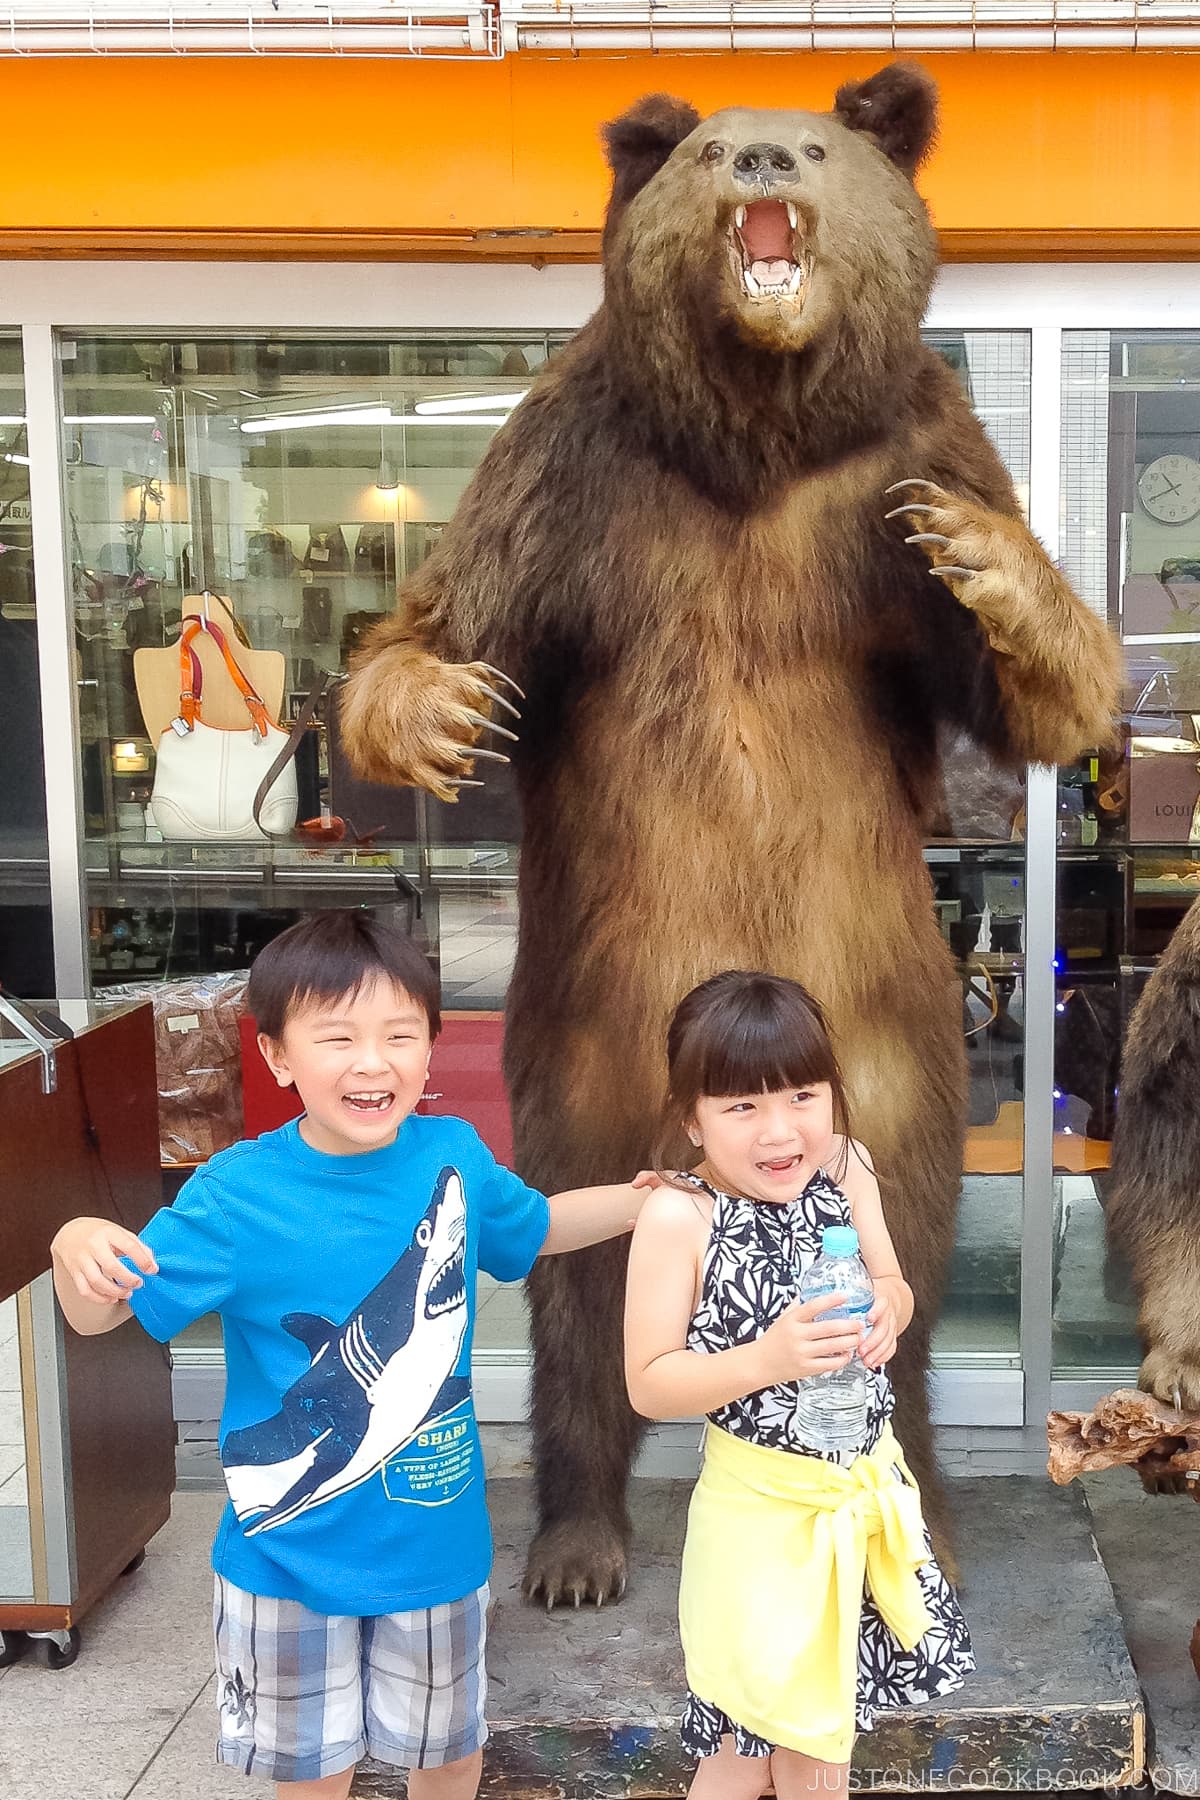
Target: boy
341,1252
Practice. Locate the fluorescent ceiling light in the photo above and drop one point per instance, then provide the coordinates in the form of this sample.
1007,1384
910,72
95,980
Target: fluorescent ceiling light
110,419
465,403
347,415
12,419
14,457
494,420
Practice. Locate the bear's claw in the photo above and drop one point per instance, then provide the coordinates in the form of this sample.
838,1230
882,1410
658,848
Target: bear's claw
929,537
486,724
574,1561
911,506
914,481
473,750
499,700
507,679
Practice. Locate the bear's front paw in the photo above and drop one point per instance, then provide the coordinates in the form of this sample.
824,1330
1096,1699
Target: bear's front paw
1172,1376
575,1560
1159,1480
989,561
410,720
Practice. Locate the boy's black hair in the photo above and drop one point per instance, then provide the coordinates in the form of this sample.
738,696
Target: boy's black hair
332,956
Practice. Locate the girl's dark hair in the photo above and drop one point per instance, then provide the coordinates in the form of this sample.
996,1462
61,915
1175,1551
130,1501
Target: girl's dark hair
744,1032
332,956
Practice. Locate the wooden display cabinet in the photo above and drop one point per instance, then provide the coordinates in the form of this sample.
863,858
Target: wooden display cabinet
78,1134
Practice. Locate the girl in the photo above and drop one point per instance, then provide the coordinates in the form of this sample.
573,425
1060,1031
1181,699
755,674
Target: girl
809,1596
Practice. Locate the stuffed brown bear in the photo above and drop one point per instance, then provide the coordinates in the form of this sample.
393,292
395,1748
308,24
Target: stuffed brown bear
1152,1211
739,639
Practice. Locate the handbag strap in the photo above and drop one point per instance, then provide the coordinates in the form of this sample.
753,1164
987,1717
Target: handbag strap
191,687
304,719
189,697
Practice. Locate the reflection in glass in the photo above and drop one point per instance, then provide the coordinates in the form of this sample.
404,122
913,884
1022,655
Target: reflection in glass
16,1551
977,866
26,950
1128,820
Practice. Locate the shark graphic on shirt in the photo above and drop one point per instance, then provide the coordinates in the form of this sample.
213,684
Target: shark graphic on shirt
371,1384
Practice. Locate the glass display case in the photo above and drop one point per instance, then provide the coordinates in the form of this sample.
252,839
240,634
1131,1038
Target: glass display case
1128,825
26,950
977,867
278,490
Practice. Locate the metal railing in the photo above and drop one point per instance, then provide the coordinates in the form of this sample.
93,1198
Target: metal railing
881,25
298,28
493,28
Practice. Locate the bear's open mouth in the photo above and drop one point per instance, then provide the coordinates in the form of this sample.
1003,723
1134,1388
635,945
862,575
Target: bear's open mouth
767,251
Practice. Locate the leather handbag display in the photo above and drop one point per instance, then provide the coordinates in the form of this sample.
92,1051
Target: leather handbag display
208,783
1164,788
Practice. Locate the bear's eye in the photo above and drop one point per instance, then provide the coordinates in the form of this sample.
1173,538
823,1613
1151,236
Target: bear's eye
713,153
814,153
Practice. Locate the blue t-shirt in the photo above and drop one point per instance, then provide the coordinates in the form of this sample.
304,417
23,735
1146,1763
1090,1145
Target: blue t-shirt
346,1289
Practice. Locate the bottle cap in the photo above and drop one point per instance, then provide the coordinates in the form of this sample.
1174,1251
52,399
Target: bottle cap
839,1240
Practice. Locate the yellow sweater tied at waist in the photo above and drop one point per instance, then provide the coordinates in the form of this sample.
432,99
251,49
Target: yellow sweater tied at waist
778,1548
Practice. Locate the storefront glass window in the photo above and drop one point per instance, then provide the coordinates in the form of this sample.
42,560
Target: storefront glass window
26,952
282,490
977,864
1128,867
278,490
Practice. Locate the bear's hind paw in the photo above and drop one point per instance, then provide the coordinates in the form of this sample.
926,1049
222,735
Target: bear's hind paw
576,1560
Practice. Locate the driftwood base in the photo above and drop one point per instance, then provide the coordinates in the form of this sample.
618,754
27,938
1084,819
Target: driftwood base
1127,1429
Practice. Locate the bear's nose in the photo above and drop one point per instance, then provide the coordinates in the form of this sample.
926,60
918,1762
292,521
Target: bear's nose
763,162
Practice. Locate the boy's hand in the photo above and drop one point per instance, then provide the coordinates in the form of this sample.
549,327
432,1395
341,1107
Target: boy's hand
87,1250
648,1178
879,1346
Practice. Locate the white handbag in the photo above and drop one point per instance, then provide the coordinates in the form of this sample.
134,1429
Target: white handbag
206,780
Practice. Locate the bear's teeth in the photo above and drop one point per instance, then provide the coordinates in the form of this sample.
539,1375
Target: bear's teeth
797,280
752,286
739,217
791,215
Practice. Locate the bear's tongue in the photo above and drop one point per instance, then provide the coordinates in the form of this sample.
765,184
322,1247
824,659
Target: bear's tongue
767,235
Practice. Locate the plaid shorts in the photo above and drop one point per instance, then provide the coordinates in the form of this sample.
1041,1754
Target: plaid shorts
302,1695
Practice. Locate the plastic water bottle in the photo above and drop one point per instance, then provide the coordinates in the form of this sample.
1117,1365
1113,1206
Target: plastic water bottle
831,1410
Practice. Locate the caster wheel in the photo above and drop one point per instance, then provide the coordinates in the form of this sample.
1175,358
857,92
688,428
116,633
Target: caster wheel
56,1649
131,1568
13,1645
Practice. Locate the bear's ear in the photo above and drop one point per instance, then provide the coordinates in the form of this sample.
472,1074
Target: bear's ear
897,106
640,141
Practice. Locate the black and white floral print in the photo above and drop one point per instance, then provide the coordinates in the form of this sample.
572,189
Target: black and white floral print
757,1252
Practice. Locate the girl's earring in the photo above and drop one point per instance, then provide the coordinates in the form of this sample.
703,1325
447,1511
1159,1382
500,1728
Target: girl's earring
695,1140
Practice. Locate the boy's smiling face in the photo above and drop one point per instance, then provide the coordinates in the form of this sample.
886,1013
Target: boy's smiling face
359,1065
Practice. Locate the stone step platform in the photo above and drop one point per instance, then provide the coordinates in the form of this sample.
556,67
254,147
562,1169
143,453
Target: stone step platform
1151,1549
584,1705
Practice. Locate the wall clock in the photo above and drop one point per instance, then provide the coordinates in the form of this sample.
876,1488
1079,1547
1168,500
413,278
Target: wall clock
1169,489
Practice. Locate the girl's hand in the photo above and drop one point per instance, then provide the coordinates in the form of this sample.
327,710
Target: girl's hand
802,1343
87,1250
879,1345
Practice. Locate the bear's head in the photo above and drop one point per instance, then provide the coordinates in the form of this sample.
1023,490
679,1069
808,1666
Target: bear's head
785,256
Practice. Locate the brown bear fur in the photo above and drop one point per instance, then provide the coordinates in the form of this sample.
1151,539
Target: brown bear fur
737,670
1153,1205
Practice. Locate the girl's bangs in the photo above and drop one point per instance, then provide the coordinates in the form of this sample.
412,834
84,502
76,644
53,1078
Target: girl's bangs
764,1055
